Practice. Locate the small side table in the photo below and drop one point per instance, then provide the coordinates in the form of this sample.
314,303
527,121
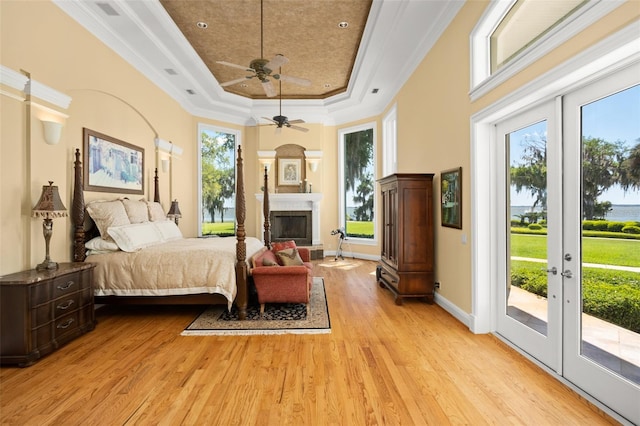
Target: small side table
43,310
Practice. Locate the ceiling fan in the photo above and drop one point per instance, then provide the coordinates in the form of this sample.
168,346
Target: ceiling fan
282,121
262,68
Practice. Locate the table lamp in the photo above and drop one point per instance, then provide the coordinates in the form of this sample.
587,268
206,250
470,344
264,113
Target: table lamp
49,207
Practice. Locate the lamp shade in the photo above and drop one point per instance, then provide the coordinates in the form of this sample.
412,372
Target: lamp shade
49,206
174,210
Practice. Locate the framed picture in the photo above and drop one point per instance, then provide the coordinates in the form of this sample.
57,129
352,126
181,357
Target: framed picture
451,197
289,171
111,165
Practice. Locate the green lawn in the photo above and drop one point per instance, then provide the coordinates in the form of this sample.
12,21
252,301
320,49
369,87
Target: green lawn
360,229
224,228
612,296
594,250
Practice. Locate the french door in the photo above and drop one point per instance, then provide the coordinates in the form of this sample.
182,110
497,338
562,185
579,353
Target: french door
530,146
599,356
558,291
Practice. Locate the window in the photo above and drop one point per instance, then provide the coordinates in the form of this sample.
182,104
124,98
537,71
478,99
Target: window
357,181
503,43
390,142
217,176
525,23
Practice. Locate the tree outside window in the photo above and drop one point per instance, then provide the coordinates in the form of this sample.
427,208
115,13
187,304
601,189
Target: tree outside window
217,162
359,183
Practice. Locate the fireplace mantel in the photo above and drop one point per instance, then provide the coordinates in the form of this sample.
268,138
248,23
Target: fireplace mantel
297,201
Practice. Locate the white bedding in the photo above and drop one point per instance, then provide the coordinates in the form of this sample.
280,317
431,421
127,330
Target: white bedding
184,266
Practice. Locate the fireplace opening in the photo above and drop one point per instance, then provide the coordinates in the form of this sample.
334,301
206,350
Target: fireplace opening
291,225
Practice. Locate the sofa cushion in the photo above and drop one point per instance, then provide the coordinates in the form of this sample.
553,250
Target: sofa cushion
289,257
266,261
282,245
263,255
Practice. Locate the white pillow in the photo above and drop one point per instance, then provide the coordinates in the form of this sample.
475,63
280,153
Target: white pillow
169,230
137,211
136,236
106,214
100,244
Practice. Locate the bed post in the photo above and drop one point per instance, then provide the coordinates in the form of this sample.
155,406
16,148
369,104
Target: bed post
242,284
156,187
77,211
265,210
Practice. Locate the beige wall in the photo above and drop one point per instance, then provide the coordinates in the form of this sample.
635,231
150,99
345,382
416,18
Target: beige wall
108,96
433,109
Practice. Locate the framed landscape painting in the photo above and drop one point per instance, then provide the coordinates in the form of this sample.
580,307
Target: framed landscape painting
451,198
112,165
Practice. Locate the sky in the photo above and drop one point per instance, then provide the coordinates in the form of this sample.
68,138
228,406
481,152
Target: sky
616,117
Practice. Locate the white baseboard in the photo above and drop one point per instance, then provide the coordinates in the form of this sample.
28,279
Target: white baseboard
352,255
457,313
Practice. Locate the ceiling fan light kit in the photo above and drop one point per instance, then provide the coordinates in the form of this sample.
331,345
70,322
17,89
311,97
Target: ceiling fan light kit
282,121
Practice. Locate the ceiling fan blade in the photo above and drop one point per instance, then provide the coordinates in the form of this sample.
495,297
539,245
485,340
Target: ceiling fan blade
229,64
236,81
295,80
296,121
302,129
276,62
273,121
268,88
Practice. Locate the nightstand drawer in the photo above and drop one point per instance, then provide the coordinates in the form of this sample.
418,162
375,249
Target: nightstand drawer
65,285
66,304
66,324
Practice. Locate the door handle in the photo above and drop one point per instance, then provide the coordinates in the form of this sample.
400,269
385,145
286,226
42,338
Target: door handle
567,273
553,270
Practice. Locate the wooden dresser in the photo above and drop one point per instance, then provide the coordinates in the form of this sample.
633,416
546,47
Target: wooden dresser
42,310
407,255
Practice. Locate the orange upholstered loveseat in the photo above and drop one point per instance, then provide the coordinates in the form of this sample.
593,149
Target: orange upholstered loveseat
282,274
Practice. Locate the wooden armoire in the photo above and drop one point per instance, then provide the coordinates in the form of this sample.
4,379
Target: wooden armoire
407,257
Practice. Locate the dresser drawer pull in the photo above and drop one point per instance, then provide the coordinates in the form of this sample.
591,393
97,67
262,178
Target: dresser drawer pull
66,286
66,305
65,324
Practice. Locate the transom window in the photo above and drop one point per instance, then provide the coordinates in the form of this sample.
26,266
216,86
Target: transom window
524,23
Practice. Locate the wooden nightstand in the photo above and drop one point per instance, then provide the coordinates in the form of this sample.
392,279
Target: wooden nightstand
42,310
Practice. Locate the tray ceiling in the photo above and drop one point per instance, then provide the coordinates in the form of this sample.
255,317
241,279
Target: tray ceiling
355,71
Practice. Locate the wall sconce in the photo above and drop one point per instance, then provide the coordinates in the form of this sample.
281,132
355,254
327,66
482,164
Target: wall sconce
313,164
266,159
49,207
174,212
266,163
52,131
313,159
165,165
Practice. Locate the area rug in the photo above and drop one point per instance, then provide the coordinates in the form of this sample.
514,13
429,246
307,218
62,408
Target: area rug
278,318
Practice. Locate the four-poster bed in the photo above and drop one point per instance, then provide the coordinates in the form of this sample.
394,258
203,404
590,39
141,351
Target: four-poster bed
112,287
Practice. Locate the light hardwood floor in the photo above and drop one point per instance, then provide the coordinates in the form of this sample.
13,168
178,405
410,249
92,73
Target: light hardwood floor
382,364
